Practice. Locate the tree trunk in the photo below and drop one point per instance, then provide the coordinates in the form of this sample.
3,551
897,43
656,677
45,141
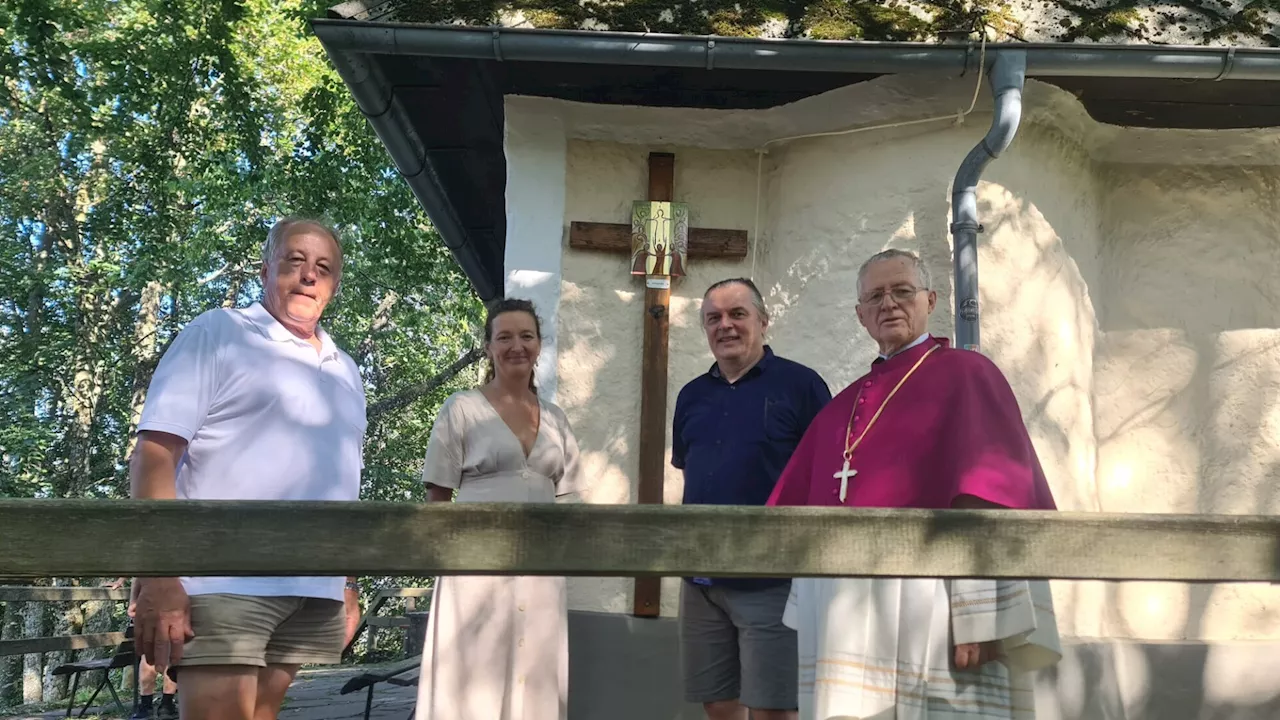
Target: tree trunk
10,665
32,667
94,308
99,617
35,297
381,320
380,323
386,405
234,284
64,618
86,391
144,354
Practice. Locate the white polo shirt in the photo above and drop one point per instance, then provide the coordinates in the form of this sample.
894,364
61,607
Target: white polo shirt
265,417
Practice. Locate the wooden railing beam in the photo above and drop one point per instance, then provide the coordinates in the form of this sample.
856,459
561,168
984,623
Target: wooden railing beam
62,594
113,538
60,643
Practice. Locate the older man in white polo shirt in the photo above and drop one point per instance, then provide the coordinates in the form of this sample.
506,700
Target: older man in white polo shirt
253,404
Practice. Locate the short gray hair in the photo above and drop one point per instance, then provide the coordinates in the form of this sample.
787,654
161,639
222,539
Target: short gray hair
281,230
922,270
756,298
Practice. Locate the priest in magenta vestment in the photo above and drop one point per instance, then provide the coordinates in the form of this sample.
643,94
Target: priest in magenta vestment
928,427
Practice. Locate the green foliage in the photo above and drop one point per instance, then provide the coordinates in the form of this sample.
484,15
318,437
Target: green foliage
1182,21
145,148
825,19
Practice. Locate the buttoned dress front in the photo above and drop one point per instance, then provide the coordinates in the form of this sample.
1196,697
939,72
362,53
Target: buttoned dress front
497,647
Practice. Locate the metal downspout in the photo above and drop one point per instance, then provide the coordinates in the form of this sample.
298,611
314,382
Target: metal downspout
1008,75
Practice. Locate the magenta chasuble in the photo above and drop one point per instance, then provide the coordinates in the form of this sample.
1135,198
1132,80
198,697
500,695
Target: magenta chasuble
882,648
952,428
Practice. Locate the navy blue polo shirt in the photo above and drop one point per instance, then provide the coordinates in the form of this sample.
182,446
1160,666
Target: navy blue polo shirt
733,439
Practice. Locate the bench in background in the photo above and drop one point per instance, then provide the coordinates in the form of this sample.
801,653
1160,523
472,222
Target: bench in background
394,675
124,657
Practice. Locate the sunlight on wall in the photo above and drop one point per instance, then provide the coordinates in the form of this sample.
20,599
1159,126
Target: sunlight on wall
822,216
1189,374
1137,400
1121,477
601,314
1148,610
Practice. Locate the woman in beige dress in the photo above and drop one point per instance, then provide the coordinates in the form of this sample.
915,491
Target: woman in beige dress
497,648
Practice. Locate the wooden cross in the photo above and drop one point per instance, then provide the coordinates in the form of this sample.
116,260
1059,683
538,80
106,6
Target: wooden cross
703,243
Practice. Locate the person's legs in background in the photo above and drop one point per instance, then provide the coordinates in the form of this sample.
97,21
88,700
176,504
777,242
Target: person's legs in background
168,701
168,709
146,690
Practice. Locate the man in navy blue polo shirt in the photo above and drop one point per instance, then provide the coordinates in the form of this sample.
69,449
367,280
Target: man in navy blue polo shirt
735,428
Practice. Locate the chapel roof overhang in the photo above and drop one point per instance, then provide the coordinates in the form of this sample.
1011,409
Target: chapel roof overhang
434,94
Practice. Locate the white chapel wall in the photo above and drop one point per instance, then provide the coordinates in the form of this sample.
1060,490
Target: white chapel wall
1188,376
827,204
1132,307
534,144
838,200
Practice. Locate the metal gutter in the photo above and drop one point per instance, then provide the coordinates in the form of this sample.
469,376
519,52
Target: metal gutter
376,99
615,48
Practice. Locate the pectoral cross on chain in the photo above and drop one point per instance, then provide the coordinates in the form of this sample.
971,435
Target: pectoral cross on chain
844,476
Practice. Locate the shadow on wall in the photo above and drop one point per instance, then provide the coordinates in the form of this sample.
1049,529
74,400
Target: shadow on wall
1209,432
838,217
1182,397
1115,681
1085,272
1038,327
625,668
595,321
1049,235
1191,248
811,291
1189,375
1038,278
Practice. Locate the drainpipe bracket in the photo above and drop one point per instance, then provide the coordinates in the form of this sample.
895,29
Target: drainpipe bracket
964,226
1228,64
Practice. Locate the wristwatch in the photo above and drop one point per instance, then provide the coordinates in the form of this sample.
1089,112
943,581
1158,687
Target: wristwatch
353,585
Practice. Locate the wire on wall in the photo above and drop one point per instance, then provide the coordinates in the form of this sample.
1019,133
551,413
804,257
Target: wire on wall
763,150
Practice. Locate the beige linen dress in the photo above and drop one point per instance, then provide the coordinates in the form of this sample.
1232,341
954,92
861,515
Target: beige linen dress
497,648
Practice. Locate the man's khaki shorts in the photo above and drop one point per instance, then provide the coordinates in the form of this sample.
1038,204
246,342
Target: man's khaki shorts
261,631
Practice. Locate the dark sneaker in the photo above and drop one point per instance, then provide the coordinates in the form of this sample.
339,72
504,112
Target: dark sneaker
167,712
142,712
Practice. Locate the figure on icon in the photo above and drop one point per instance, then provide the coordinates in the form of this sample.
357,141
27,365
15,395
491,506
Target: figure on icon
659,238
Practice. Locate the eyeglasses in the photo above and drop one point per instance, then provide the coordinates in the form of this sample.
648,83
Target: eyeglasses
900,295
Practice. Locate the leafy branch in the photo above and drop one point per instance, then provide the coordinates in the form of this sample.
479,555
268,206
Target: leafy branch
396,402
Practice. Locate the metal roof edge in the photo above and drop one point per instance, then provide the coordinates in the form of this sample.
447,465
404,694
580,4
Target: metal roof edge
376,99
349,43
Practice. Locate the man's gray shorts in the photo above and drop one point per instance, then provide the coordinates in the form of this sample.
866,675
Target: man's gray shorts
733,646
